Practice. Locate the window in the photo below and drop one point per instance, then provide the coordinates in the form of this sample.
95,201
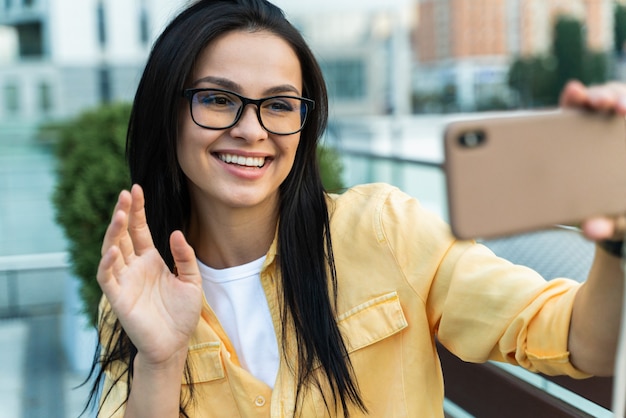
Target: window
104,84
30,40
144,27
101,22
346,78
45,97
11,99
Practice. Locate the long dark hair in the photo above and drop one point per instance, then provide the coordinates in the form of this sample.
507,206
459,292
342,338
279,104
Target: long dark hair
305,253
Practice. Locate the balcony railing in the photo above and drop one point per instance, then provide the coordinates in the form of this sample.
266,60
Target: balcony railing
32,283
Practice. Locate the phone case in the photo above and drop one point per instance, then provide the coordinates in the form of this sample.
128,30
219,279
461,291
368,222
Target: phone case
519,172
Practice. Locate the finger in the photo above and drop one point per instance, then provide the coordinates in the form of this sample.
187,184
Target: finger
574,94
105,276
619,91
119,220
603,97
603,228
620,227
126,248
138,226
606,97
185,258
117,235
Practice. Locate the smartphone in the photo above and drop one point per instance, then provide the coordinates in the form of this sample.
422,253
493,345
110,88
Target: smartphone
521,171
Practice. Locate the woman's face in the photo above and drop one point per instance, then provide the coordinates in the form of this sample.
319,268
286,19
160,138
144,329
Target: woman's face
254,65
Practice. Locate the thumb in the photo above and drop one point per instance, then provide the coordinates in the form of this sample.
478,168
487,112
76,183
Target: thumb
184,258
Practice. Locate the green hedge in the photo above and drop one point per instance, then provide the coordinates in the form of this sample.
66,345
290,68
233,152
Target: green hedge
91,172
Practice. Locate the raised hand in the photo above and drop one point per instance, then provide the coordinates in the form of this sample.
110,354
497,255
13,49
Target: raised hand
158,310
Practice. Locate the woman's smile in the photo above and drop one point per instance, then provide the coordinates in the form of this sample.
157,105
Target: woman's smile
241,160
243,166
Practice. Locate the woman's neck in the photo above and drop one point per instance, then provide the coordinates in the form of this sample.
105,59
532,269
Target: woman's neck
227,237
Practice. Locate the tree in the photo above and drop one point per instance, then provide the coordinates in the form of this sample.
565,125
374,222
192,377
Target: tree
619,28
91,172
595,67
534,78
538,80
569,50
331,169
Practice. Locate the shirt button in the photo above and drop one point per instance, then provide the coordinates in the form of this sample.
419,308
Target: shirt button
259,401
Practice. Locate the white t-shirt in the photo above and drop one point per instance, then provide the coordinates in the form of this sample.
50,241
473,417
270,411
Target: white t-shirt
236,296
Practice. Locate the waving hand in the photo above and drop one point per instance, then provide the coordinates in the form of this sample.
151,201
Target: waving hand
158,310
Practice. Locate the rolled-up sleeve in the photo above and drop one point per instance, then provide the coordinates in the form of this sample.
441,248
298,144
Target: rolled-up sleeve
495,310
480,306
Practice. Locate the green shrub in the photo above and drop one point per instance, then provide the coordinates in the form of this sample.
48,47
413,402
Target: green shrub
331,169
92,171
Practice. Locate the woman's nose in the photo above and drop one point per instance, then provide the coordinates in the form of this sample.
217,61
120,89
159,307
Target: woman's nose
249,126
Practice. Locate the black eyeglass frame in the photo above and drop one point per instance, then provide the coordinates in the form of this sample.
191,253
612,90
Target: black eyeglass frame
189,93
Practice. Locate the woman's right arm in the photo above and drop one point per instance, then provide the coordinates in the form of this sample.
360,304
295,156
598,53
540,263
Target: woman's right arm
158,310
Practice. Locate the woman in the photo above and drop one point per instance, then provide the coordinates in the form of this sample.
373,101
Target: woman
243,289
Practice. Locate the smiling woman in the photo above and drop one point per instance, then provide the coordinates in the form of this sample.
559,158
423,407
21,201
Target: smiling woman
229,214
235,285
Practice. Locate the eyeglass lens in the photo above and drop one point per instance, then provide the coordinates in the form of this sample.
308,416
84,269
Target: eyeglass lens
217,109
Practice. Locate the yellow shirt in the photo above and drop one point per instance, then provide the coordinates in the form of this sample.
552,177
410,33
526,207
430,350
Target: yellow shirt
402,281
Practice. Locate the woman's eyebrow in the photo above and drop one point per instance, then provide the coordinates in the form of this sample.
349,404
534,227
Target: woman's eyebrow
282,89
236,87
220,81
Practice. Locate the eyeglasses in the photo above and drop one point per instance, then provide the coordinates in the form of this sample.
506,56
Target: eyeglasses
222,109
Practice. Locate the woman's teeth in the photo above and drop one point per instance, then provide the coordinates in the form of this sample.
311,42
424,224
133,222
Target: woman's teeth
244,161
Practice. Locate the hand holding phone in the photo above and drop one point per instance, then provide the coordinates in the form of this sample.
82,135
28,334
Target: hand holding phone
523,171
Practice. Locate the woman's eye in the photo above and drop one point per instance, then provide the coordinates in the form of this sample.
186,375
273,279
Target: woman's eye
215,100
279,106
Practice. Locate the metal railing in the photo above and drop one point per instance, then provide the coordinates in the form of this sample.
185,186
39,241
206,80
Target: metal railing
33,283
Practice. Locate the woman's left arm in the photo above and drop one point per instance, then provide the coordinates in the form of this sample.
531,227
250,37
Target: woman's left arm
595,323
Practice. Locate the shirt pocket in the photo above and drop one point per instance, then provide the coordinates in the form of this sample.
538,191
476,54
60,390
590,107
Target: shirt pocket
205,362
372,321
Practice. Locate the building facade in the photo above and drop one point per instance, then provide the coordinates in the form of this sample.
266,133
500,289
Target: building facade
467,46
365,57
58,57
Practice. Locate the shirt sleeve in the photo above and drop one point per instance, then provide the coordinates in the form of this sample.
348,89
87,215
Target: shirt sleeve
495,310
480,306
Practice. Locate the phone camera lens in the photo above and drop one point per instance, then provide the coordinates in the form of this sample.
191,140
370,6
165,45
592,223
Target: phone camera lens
472,139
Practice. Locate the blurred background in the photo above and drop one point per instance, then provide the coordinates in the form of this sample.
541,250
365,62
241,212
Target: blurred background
397,71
